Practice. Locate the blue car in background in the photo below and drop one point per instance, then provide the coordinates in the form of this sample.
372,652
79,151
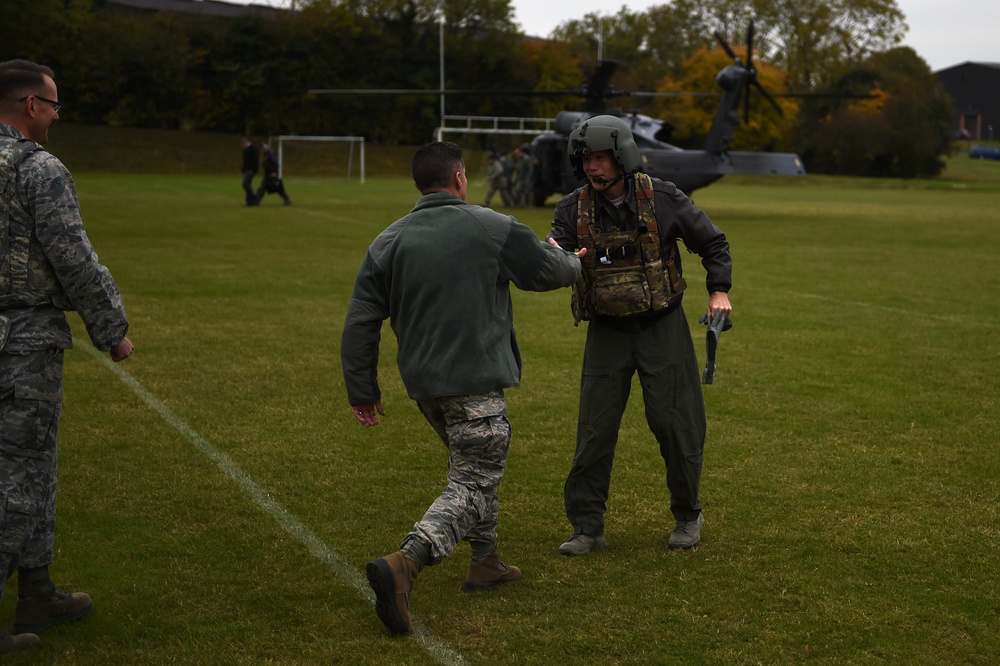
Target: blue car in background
985,152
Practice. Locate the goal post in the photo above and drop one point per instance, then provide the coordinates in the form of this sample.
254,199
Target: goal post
350,159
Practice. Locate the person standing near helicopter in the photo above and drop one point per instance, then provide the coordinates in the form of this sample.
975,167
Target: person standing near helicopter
524,169
630,293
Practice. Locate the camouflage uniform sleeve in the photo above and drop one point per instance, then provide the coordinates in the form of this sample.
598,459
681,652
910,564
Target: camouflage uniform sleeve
86,284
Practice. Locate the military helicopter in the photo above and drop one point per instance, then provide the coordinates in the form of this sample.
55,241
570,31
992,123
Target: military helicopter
688,169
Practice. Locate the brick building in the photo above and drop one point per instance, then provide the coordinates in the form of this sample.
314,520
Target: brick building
975,89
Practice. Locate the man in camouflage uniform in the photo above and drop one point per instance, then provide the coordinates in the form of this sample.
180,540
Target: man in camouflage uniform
442,276
496,181
47,265
507,164
524,167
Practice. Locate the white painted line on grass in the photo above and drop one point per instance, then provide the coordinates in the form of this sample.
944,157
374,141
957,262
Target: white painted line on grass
341,567
883,308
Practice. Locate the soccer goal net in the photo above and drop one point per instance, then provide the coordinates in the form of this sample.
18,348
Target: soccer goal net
352,140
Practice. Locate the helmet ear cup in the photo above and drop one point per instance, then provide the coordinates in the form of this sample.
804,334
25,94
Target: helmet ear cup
603,133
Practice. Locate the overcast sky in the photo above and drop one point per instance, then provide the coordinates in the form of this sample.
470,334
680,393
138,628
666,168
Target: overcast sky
942,33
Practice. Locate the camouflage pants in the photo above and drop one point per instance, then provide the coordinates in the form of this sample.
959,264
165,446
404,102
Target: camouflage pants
477,433
523,190
30,403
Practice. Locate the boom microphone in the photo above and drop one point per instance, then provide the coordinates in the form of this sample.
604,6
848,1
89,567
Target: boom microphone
601,180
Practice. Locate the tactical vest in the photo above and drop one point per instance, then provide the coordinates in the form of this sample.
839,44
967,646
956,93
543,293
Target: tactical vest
20,284
623,273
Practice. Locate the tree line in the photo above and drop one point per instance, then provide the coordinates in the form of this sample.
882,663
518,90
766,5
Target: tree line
853,100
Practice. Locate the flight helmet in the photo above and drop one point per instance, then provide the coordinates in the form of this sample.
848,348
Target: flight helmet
603,133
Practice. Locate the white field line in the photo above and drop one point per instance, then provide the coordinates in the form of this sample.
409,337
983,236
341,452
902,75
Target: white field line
898,311
343,569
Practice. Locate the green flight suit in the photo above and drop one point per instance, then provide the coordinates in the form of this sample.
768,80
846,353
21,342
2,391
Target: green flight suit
658,347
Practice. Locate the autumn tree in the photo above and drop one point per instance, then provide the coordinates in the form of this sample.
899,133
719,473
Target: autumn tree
390,44
252,74
644,52
692,110
814,40
551,66
901,130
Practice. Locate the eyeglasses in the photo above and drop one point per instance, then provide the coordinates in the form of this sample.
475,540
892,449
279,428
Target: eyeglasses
55,105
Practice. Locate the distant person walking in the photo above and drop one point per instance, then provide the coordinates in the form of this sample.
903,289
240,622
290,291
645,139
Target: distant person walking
251,162
496,181
442,276
507,162
47,265
524,182
270,182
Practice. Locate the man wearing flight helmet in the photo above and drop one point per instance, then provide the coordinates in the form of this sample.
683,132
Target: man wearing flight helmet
630,292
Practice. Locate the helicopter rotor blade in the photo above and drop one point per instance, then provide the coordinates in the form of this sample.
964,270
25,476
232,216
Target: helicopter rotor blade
751,72
673,94
601,79
597,90
568,92
370,91
746,103
767,96
725,45
823,95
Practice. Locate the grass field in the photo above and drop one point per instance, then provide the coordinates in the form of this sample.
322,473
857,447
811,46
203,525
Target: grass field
219,502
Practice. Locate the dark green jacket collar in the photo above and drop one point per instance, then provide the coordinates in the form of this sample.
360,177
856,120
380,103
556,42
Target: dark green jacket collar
435,199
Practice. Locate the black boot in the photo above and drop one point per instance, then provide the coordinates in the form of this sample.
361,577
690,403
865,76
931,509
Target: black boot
40,605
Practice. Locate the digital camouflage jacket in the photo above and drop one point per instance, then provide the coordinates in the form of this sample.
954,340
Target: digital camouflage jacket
47,263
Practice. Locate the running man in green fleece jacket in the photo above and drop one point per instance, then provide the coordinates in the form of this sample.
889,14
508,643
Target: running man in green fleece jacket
441,276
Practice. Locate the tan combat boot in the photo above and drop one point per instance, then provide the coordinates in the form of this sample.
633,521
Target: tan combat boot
490,573
18,642
391,577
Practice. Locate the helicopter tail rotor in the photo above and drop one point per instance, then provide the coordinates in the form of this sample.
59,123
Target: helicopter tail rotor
751,72
725,45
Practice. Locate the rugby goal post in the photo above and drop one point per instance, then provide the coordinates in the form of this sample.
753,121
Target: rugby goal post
350,158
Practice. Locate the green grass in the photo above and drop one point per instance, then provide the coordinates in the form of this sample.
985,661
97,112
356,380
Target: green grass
851,474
